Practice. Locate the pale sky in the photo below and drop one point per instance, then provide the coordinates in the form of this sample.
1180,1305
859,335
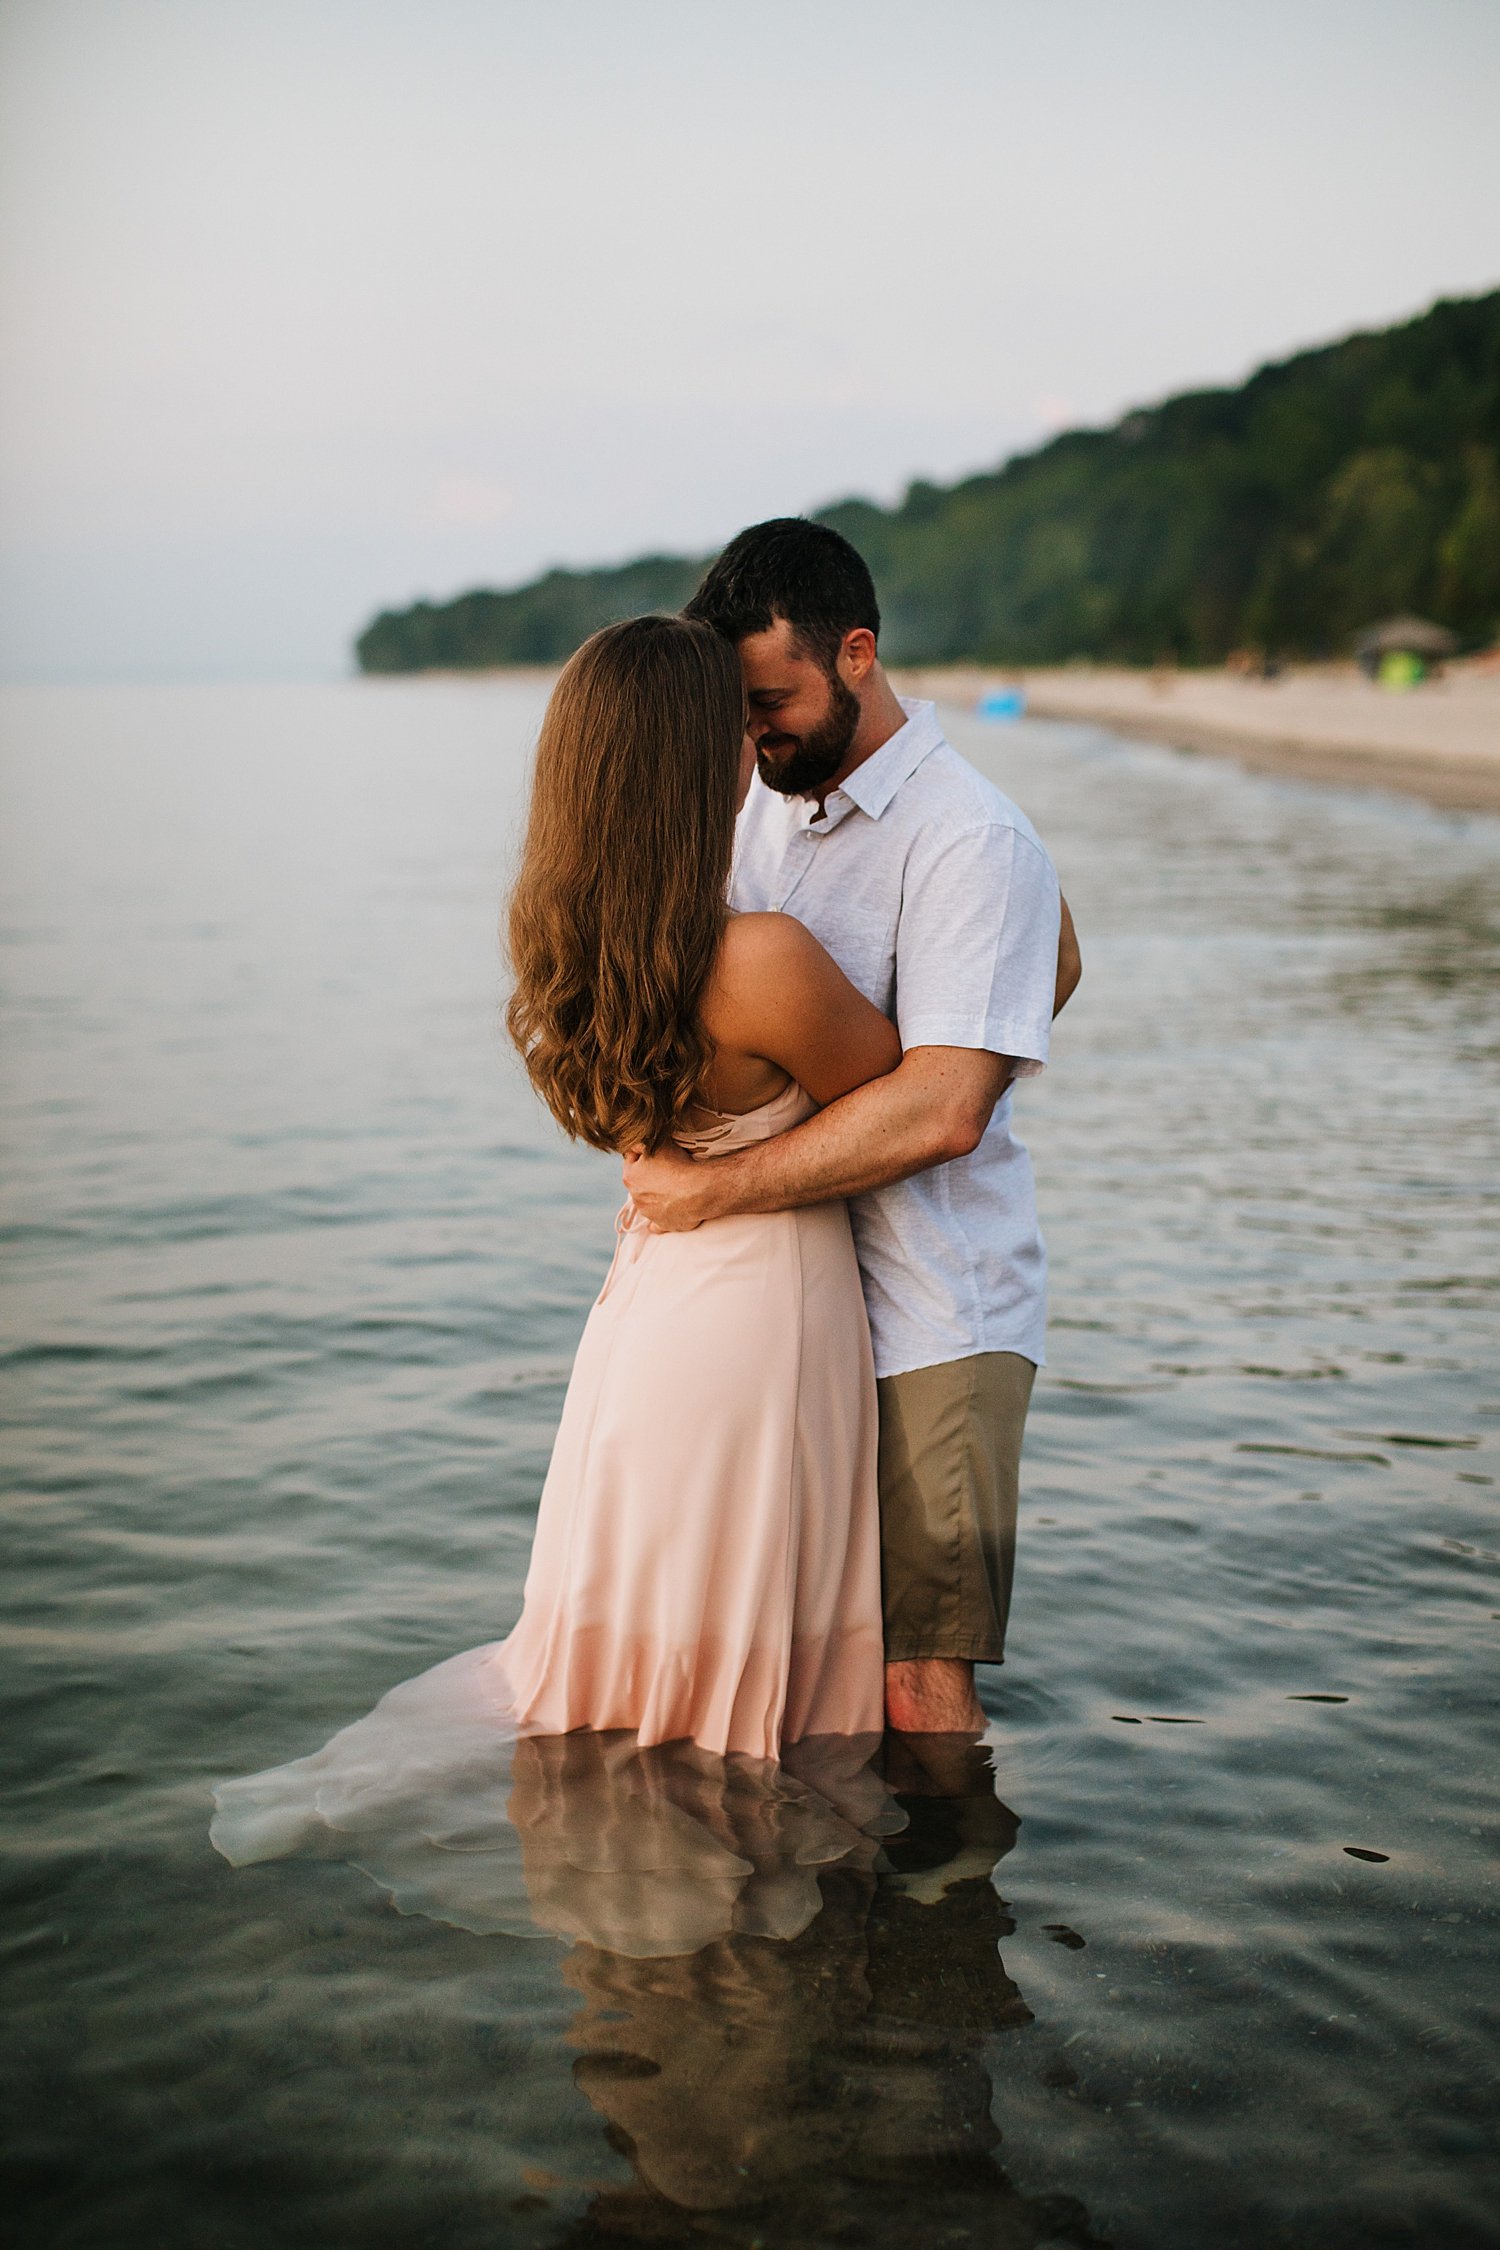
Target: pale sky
313,306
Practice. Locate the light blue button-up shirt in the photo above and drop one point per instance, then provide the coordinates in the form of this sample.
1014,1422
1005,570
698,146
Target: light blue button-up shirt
935,896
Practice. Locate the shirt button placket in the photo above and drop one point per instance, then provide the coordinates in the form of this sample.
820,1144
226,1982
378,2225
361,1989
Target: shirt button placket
793,867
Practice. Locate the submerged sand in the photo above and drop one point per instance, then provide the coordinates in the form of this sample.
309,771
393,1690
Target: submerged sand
1439,741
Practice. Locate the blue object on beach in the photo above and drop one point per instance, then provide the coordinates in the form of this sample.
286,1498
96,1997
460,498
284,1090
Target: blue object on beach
1002,703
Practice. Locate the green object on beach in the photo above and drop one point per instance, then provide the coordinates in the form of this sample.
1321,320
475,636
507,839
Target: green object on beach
1400,669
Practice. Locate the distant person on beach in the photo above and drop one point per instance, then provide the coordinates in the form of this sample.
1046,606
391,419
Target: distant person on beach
937,900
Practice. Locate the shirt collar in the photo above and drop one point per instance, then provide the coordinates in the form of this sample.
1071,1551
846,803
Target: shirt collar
872,785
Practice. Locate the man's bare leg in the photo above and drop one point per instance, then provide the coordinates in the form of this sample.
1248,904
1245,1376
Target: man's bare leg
932,1695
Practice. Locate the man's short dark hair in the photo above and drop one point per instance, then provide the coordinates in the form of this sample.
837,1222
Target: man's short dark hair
794,569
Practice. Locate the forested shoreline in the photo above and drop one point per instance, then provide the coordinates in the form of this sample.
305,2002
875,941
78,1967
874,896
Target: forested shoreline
1333,488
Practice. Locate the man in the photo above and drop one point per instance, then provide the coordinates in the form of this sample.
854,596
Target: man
934,895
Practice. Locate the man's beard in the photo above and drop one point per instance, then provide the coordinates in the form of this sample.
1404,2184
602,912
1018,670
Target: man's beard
819,754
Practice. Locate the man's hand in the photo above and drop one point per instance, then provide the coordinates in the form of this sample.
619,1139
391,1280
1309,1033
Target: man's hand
670,1189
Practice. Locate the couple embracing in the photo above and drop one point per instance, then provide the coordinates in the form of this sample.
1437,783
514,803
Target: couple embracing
779,947
776,943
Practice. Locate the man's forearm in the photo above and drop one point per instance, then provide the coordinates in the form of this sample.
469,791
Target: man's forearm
882,1132
845,1150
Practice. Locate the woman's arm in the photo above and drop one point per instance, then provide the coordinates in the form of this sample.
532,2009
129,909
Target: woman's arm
775,993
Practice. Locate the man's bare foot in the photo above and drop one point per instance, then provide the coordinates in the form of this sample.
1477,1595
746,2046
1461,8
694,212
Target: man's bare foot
937,1765
932,1695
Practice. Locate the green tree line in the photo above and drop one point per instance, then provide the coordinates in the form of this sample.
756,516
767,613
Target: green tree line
1330,490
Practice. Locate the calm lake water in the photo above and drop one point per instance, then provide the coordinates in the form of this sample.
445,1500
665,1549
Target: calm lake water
1199,1951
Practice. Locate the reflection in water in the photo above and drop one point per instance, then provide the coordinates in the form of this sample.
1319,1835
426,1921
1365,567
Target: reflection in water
654,1854
816,2063
789,1975
649,1852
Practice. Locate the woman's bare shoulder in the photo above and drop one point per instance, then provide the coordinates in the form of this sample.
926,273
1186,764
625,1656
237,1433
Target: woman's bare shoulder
777,994
752,944
759,954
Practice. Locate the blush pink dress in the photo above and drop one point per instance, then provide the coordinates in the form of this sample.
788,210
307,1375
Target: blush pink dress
707,1553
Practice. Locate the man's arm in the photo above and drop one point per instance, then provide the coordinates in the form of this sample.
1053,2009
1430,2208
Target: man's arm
938,1101
1069,959
934,1106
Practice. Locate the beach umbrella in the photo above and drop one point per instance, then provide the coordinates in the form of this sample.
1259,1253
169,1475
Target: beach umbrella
1405,636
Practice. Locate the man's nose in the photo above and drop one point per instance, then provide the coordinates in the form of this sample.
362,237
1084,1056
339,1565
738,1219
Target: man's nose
759,728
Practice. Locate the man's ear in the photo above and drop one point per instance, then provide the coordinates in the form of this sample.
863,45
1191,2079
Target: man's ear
856,659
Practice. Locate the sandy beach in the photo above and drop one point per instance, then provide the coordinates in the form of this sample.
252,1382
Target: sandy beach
1439,741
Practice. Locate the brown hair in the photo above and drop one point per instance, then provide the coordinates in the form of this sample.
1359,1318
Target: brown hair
619,906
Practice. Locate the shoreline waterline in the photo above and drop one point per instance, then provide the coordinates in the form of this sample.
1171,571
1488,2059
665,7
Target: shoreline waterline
1438,743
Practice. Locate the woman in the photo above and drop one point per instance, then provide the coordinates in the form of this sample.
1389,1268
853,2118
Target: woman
706,1563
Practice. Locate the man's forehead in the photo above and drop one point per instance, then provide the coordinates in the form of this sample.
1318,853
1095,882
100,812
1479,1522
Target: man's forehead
774,655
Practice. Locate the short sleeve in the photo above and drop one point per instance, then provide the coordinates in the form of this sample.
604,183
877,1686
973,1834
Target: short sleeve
976,948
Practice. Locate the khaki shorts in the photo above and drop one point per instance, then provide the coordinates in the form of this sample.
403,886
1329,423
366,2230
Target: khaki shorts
950,1458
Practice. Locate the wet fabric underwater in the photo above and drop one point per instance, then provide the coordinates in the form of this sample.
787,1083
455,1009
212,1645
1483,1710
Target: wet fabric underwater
648,1851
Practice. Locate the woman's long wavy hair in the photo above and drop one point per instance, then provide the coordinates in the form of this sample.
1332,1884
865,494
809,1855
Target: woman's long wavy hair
620,902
